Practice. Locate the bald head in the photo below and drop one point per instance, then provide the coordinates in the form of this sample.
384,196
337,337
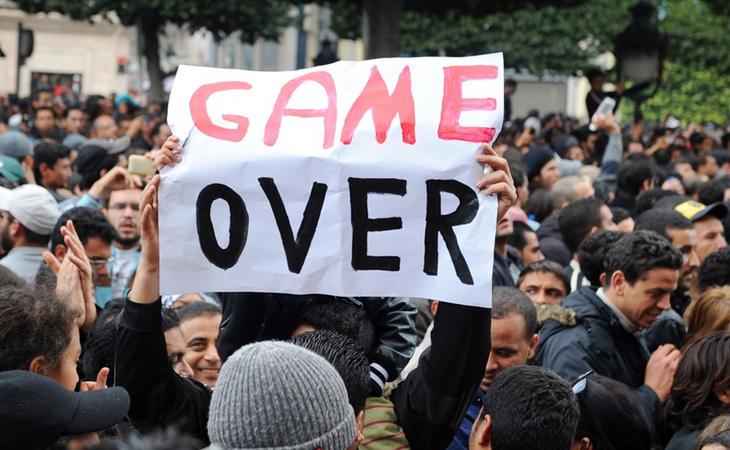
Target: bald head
570,189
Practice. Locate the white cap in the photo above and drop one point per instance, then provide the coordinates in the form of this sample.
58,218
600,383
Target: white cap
35,208
5,194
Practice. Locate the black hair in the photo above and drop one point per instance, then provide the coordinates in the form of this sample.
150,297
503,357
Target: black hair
637,253
540,204
619,214
170,319
9,278
593,73
517,239
99,348
592,254
546,266
703,369
72,108
510,82
47,153
508,300
713,191
530,408
156,128
577,219
32,323
661,220
342,317
198,309
725,140
714,270
519,173
44,108
347,356
646,200
633,172
611,416
88,222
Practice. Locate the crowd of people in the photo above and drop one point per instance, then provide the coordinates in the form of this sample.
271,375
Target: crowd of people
609,327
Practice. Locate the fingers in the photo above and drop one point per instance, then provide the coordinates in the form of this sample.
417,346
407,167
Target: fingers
503,190
101,378
52,262
493,178
495,162
86,386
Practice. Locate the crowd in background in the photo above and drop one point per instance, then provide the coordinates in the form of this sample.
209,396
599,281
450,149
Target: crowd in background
609,326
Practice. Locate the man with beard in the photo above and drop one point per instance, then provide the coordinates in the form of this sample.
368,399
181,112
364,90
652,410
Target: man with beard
122,211
514,322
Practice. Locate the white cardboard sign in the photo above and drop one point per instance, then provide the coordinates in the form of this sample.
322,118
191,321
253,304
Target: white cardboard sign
352,179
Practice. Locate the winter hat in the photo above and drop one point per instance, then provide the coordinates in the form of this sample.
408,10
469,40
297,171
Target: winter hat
536,159
276,395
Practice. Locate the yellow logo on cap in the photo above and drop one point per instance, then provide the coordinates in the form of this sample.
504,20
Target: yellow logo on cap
690,208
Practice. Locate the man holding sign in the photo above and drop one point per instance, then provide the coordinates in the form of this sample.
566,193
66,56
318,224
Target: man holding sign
426,231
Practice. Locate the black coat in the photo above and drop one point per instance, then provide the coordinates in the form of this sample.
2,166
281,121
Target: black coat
597,342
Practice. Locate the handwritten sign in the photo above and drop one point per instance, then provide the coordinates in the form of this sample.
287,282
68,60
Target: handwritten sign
352,179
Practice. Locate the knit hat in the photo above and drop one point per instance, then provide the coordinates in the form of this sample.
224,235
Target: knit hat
15,145
536,159
276,395
35,208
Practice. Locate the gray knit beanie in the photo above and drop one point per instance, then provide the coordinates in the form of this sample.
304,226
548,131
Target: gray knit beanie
276,395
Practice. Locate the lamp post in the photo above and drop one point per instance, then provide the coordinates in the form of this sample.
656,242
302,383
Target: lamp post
640,50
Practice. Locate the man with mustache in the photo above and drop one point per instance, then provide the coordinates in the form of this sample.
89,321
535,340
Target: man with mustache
123,212
641,272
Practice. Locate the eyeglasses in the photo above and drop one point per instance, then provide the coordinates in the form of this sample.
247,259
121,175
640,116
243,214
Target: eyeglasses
97,261
124,206
579,385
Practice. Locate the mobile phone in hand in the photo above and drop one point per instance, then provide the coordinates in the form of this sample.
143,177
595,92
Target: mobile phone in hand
140,165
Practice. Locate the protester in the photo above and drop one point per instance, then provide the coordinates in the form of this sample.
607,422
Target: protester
544,282
200,324
526,407
32,214
708,225
52,167
122,211
513,342
592,254
642,270
715,270
708,312
701,389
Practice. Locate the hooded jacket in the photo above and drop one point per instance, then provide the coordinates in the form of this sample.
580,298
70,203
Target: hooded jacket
597,342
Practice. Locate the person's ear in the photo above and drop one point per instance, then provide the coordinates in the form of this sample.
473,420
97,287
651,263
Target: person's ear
484,432
723,396
533,345
14,227
618,282
646,186
593,230
38,365
602,279
60,252
434,307
43,169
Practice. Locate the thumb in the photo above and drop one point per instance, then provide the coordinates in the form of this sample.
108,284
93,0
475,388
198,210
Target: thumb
101,378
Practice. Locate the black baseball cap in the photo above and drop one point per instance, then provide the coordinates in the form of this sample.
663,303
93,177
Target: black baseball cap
35,411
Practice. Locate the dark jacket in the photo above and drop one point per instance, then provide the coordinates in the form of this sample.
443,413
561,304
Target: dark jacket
597,342
159,397
432,400
551,242
501,275
250,317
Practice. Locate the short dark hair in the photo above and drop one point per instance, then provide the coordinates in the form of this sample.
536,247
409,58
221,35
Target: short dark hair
713,191
508,300
705,366
633,172
619,214
99,348
637,253
170,319
9,278
30,235
540,204
198,309
32,323
342,317
646,200
714,270
88,222
346,356
577,219
72,108
661,220
530,408
517,239
47,153
592,254
44,108
545,266
611,416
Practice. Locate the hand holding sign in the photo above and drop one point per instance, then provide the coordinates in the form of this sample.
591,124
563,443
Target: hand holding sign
355,179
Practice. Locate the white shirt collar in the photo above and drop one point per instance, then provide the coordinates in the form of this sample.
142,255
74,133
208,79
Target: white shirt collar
625,322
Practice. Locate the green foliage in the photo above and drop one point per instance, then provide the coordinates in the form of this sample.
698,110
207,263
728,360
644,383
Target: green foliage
253,18
538,39
690,94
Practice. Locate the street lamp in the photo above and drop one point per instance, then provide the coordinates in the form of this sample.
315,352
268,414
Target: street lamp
639,51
